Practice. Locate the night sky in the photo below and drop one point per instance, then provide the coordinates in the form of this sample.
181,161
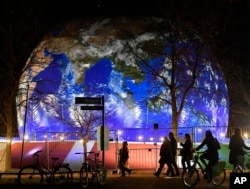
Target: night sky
23,23
38,17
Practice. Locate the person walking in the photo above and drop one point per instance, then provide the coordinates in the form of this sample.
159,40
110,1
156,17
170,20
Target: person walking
186,152
173,145
236,147
123,159
211,154
165,157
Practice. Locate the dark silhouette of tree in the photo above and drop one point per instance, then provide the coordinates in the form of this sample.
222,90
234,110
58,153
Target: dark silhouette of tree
178,72
86,122
223,26
19,31
237,79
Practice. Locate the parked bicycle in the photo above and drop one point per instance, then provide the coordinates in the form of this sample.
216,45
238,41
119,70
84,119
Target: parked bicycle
241,167
92,169
37,172
191,178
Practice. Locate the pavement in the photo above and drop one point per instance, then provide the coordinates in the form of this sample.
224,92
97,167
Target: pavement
137,180
146,180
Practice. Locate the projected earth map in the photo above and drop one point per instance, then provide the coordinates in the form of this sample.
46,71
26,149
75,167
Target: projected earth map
108,57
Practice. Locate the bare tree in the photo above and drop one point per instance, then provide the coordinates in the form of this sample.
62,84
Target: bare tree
86,122
178,70
238,84
39,100
17,42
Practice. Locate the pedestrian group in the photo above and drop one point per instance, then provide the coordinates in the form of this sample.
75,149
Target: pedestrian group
168,154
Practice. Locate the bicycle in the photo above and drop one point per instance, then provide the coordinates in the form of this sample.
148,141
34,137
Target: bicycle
191,178
91,169
34,173
240,161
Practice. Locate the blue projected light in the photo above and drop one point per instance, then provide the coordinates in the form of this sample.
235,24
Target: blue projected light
94,61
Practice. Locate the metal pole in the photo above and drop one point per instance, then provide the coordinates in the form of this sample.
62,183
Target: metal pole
47,148
102,131
24,125
117,149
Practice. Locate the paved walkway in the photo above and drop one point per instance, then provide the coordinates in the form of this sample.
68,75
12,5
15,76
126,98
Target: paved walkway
137,180
146,180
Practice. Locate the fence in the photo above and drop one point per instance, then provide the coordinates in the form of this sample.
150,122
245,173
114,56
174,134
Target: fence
133,135
156,135
144,145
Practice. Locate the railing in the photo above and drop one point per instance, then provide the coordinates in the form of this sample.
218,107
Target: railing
144,144
144,158
132,135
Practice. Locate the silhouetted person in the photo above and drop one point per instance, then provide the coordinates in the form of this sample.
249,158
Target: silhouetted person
186,152
123,158
165,157
211,154
173,145
236,146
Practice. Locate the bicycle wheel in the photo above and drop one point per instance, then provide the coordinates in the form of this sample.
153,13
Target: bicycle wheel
62,175
30,175
190,178
219,179
84,180
101,175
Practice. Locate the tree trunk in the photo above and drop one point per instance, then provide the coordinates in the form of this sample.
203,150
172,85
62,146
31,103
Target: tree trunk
6,160
85,150
174,111
174,123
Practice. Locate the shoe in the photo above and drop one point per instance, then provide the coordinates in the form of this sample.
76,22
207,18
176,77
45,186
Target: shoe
123,175
129,172
178,174
155,174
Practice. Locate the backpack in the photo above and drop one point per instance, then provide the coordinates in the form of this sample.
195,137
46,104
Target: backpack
217,144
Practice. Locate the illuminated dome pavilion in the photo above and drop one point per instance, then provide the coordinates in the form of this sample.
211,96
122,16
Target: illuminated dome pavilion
103,57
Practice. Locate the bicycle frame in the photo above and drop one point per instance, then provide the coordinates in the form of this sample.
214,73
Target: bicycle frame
44,169
241,165
197,163
191,178
94,163
93,167
36,171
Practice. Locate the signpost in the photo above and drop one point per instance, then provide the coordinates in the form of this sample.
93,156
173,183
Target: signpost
91,107
88,100
94,104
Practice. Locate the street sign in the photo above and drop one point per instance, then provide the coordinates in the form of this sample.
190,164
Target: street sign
100,102
88,100
91,107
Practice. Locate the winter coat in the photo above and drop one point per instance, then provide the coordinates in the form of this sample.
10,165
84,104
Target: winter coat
236,146
166,153
187,149
212,149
